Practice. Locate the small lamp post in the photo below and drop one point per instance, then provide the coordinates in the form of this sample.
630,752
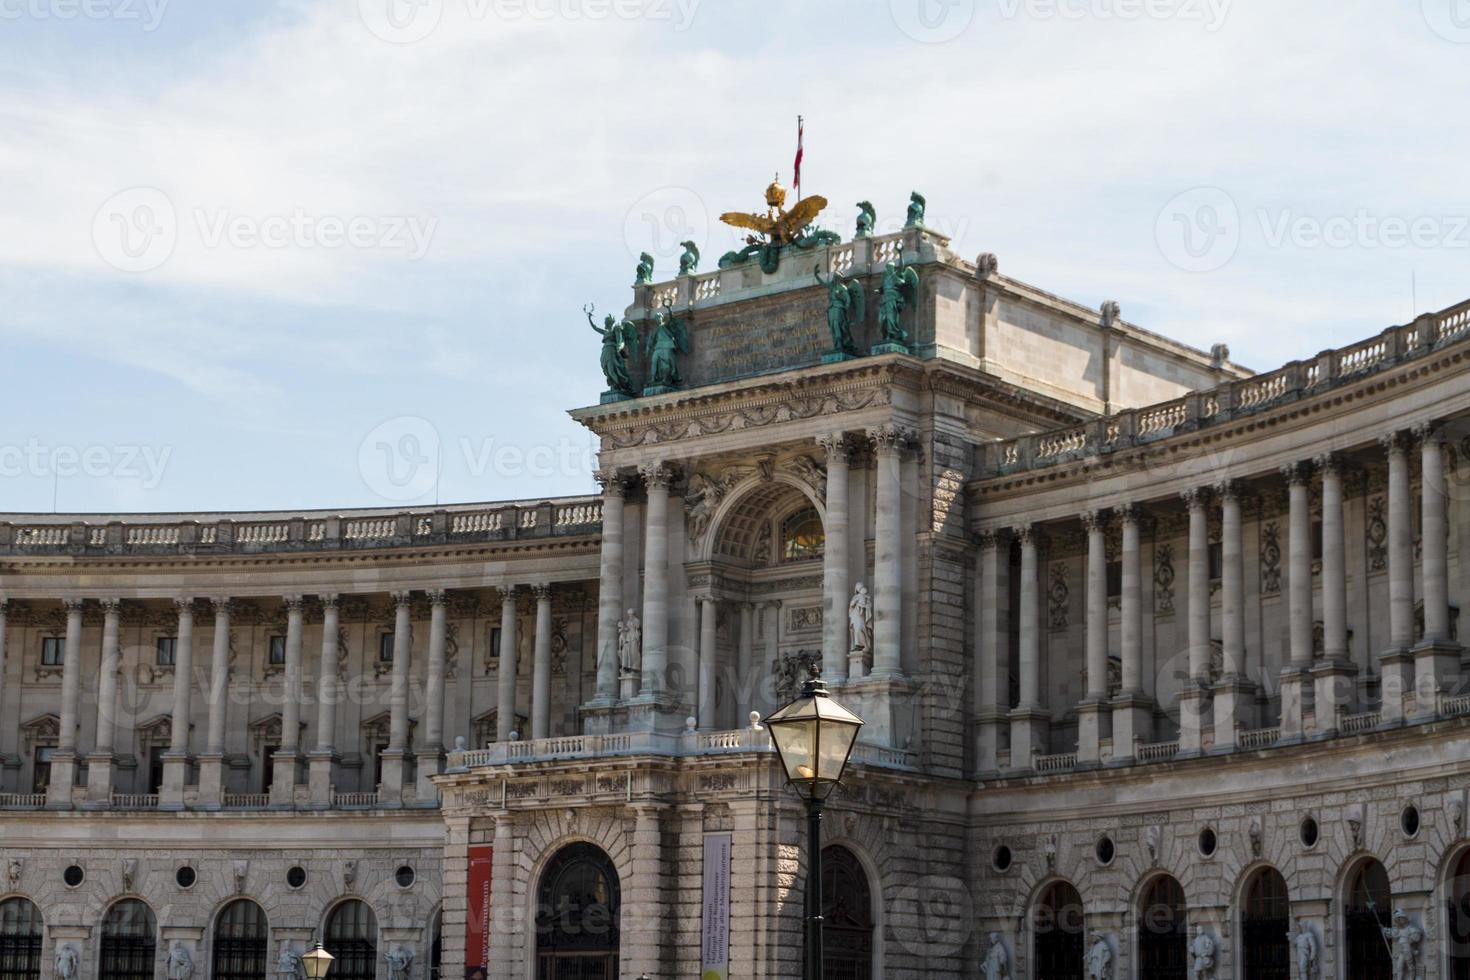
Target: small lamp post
316,962
814,736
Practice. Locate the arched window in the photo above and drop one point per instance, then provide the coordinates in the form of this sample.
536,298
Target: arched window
129,942
847,913
1056,927
240,942
21,930
436,948
1457,907
802,536
1367,911
1265,919
578,912
1163,931
352,937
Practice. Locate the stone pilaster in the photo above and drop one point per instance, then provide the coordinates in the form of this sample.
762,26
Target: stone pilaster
1335,678
101,762
395,758
1397,662
1234,693
1436,656
541,665
1296,676
708,616
1194,689
211,760
288,756
322,760
1030,721
1090,709
64,762
176,759
610,587
835,584
1132,708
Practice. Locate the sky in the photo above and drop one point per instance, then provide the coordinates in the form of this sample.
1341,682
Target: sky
315,254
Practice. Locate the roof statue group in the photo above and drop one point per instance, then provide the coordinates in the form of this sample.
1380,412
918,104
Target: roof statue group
774,233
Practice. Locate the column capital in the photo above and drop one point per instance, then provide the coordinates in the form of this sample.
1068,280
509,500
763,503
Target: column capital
1228,490
1195,498
835,445
614,484
1428,430
401,597
73,605
184,604
659,474
4,604
330,600
541,592
1130,514
1094,521
1025,533
891,439
293,603
1394,442
437,597
508,593
111,605
223,604
990,537
1329,463
1296,473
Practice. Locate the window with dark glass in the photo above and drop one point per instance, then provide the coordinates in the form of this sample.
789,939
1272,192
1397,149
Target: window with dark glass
240,942
155,767
352,937
802,536
1215,555
20,939
41,768
385,648
166,651
1115,579
129,945
53,651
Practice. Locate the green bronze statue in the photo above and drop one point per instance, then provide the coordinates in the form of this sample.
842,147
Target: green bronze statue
865,220
898,291
689,261
645,270
916,211
669,340
619,344
846,309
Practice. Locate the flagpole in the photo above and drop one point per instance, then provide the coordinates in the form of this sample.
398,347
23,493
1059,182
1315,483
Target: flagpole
796,177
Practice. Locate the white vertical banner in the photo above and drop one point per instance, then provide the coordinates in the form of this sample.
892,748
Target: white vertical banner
715,958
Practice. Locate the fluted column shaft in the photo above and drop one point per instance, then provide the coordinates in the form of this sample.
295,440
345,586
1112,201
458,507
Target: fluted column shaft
183,677
610,587
291,678
990,690
656,581
1434,539
219,676
1400,548
505,688
705,715
541,666
1232,585
745,662
1334,564
107,678
887,553
326,676
835,585
1131,625
71,677
1096,639
1030,645
434,681
1199,586
402,655
1299,566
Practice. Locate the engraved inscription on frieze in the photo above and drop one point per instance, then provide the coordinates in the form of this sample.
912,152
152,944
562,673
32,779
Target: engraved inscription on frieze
793,334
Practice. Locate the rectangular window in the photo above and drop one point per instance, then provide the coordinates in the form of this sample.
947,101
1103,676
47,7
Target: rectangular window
1115,579
53,651
1216,561
155,767
385,648
41,772
166,651
1316,541
378,751
267,766
495,643
278,650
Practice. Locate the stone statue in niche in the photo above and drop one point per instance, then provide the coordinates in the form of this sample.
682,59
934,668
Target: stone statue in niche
1304,945
66,962
180,963
1202,956
288,962
860,621
1151,838
1403,939
630,643
1099,958
997,963
13,871
400,962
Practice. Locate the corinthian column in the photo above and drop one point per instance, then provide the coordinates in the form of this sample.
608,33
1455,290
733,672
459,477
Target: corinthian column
211,761
610,587
1334,676
395,757
64,762
1437,657
1132,709
283,779
1397,662
1194,686
431,747
100,762
1299,599
1234,692
321,759
176,759
705,713
1029,720
541,665
835,586
656,478
888,442
1095,640
992,686
505,686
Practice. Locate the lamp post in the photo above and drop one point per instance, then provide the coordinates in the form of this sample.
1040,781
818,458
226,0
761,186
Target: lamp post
813,736
316,962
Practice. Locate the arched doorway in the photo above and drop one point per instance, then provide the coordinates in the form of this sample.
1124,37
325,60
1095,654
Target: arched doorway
1366,912
1265,919
129,943
1163,931
21,931
240,942
847,916
352,937
1457,911
577,916
1056,931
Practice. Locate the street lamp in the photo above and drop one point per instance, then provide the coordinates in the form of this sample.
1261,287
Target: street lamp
316,962
814,735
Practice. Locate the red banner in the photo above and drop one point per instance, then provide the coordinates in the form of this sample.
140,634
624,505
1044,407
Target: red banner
477,922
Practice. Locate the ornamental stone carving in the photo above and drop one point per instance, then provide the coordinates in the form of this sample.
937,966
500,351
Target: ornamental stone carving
180,963
860,621
1099,958
1304,947
1202,952
67,961
997,962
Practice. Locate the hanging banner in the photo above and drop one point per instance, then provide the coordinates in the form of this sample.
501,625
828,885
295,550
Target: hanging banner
477,921
715,959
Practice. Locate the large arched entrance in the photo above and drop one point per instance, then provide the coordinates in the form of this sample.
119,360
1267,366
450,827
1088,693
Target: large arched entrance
1163,931
240,942
21,931
1265,919
1366,912
129,942
1457,921
352,937
1056,931
578,916
847,916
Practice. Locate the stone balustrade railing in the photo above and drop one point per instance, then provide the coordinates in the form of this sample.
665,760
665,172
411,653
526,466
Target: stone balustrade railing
185,534
1138,426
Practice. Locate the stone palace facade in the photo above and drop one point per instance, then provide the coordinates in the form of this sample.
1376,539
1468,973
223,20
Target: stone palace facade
1159,660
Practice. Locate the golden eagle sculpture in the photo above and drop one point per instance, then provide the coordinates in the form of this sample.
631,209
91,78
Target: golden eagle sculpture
777,226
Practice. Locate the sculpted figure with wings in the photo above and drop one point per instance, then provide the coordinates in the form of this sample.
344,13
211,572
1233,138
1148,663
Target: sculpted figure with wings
619,343
669,339
777,229
898,291
846,309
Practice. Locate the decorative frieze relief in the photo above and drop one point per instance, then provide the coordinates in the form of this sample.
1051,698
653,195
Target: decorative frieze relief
755,416
1164,579
1270,558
